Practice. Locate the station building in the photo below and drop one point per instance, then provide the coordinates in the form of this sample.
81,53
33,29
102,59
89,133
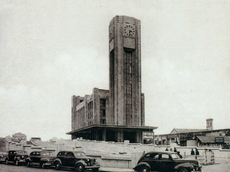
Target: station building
197,137
116,114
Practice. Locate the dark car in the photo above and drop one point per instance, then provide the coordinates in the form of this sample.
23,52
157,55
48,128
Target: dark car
166,161
75,159
42,158
3,156
16,157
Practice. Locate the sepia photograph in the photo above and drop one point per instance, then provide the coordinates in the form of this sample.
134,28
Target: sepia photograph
115,86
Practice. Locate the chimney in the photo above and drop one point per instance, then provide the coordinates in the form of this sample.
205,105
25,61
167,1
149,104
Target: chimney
209,123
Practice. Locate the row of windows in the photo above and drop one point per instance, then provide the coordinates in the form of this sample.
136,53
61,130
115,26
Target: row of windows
128,88
102,111
90,105
102,103
90,115
80,115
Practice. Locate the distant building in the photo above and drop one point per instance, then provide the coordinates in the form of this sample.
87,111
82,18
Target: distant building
2,144
196,137
116,114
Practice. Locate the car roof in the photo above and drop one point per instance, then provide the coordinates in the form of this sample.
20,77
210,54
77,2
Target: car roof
72,151
160,152
17,150
44,151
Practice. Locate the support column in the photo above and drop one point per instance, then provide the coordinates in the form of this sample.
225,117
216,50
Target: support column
120,136
95,134
139,136
104,134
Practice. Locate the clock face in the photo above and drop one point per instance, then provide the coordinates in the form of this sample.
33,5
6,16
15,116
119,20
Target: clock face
129,30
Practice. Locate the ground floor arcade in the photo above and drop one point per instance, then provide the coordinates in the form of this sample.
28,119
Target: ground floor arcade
112,133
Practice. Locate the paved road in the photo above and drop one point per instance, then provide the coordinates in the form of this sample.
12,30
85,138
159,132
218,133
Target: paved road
13,168
222,165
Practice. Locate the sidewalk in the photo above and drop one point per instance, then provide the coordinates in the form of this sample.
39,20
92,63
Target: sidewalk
109,169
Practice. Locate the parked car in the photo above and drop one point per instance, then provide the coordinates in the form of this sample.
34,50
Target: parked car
75,159
16,157
166,161
42,158
3,156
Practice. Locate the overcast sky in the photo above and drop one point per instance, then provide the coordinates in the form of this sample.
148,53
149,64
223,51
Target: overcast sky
51,50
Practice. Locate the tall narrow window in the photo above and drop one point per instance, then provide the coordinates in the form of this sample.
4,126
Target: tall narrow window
128,87
102,110
112,82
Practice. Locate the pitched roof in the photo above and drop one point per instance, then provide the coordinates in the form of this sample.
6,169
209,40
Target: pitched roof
212,139
185,130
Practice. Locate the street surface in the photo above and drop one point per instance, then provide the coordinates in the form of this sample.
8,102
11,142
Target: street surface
221,165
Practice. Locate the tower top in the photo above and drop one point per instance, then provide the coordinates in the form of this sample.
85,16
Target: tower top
122,18
209,124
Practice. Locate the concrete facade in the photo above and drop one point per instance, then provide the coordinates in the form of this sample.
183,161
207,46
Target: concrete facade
116,114
90,110
125,72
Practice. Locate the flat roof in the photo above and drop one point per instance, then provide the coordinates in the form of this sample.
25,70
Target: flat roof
143,128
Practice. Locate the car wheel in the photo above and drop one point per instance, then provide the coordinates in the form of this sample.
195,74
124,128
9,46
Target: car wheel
57,165
28,163
184,170
79,167
42,165
7,162
17,162
145,169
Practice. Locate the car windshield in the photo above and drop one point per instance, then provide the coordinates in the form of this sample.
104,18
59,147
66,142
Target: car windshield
47,153
175,156
77,154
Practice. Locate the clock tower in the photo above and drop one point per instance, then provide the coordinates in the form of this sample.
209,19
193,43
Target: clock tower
126,99
116,114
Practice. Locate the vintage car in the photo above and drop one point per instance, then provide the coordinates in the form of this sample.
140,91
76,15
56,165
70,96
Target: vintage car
76,160
3,156
166,161
16,157
42,158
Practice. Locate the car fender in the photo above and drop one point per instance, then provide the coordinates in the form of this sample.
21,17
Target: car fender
80,161
28,159
186,165
139,165
57,160
17,158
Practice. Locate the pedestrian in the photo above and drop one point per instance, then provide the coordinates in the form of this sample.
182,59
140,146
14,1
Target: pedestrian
192,152
178,153
197,152
175,150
